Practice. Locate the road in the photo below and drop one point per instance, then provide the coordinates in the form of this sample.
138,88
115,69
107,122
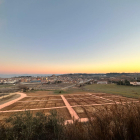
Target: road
76,84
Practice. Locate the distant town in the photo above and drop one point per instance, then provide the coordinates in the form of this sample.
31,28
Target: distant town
78,78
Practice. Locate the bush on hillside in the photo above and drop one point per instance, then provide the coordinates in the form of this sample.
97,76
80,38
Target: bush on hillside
117,122
126,82
23,87
25,126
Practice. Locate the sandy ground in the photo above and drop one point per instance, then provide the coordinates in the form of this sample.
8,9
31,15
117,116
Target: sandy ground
21,95
5,100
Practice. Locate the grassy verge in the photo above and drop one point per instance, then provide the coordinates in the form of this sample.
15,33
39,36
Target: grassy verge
60,92
35,90
128,91
53,91
6,98
4,86
66,91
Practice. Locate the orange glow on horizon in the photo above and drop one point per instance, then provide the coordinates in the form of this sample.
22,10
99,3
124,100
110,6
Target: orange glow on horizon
63,71
130,67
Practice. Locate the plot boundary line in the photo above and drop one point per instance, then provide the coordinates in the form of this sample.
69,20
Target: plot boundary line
70,109
103,98
32,109
55,95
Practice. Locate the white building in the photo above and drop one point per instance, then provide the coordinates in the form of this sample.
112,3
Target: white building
102,82
135,83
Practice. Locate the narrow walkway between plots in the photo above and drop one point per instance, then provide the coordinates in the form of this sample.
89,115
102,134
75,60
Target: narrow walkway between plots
70,109
103,98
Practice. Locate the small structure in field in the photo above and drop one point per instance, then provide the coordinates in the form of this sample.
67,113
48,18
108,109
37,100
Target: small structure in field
102,82
135,83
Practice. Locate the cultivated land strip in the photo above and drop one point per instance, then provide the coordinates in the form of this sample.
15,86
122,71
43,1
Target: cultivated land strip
103,98
32,109
6,111
58,99
55,95
41,100
7,95
22,95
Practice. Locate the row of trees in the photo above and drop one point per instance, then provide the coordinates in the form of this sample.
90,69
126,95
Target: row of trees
55,82
126,82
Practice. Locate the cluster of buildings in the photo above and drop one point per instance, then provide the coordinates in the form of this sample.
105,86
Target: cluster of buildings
134,79
44,80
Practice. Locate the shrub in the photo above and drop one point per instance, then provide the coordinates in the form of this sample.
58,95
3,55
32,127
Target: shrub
120,122
23,126
117,122
23,87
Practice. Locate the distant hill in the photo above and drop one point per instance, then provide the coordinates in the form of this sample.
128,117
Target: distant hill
17,75
71,74
102,74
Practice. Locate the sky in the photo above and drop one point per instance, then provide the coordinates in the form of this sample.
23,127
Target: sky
69,36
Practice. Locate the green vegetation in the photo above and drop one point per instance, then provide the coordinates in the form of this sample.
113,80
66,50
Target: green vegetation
68,91
23,87
8,97
117,122
27,127
126,82
60,92
6,85
128,91
35,90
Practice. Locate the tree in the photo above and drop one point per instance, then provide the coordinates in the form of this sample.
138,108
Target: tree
126,82
120,83
23,87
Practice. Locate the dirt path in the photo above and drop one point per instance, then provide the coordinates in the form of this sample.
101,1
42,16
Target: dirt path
70,109
21,95
32,109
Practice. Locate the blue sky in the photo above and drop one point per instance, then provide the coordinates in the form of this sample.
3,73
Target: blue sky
49,36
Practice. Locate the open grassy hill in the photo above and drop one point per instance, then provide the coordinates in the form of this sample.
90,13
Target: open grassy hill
128,91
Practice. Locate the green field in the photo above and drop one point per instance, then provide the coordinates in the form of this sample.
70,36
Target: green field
60,92
6,85
128,91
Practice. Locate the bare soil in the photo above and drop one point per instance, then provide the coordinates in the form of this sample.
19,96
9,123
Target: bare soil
39,93
62,112
42,99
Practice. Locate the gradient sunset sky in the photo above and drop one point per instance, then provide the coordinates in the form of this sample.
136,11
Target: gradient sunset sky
69,36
